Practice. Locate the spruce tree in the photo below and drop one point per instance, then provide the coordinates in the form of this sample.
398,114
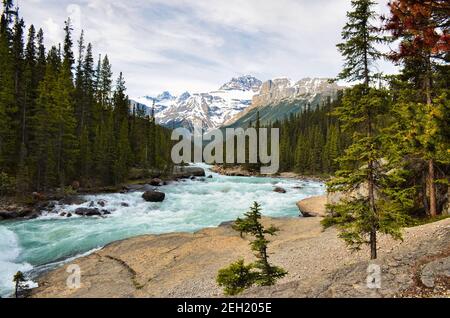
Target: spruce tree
8,107
239,276
422,28
55,129
68,56
361,216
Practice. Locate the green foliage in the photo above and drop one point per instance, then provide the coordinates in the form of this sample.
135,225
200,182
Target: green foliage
19,280
360,42
369,175
236,278
55,127
239,276
7,184
311,142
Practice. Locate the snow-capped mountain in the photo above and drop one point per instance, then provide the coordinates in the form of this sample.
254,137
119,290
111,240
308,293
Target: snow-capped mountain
237,102
208,110
281,97
243,83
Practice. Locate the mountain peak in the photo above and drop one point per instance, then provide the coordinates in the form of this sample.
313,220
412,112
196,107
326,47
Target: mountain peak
243,83
165,96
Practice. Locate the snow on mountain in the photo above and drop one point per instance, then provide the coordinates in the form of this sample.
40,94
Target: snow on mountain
237,100
281,97
243,83
208,110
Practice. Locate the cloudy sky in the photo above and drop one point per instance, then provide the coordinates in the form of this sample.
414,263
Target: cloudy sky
197,45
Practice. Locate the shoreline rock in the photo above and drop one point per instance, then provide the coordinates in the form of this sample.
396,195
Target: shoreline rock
313,207
319,264
279,190
239,171
154,196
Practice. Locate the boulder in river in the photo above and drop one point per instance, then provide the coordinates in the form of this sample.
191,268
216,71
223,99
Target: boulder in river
154,196
133,187
156,182
102,203
279,190
313,207
72,200
124,205
183,172
7,215
33,216
90,212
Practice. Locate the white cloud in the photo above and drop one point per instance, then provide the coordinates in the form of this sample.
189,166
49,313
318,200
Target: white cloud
196,45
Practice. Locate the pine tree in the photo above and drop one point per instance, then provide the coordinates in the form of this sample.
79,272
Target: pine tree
361,38
55,129
20,284
80,107
422,29
360,217
43,122
251,224
67,146
238,276
68,56
8,108
121,103
105,83
122,159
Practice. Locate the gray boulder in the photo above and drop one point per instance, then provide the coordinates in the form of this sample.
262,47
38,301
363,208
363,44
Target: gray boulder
279,190
156,182
90,212
154,196
133,187
188,171
6,215
72,200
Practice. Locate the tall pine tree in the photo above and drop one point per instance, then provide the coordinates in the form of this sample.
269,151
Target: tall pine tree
361,216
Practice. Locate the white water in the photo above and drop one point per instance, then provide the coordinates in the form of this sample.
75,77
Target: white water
32,245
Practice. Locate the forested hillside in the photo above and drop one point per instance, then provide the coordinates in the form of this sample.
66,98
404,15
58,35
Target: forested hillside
311,142
63,117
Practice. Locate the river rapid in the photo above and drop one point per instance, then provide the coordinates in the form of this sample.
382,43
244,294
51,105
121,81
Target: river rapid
34,246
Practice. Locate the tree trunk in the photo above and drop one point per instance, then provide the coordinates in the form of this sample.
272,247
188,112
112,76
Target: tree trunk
430,176
431,188
373,244
373,216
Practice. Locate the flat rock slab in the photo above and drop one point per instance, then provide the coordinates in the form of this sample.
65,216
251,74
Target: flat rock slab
318,262
315,206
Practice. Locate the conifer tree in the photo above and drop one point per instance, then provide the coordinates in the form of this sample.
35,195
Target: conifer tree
122,159
360,217
422,27
68,56
105,83
8,107
20,284
251,224
239,276
54,128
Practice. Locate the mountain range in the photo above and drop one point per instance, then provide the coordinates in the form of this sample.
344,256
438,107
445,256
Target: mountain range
236,103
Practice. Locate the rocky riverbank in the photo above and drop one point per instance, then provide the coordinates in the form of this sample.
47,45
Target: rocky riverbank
240,171
319,264
36,203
